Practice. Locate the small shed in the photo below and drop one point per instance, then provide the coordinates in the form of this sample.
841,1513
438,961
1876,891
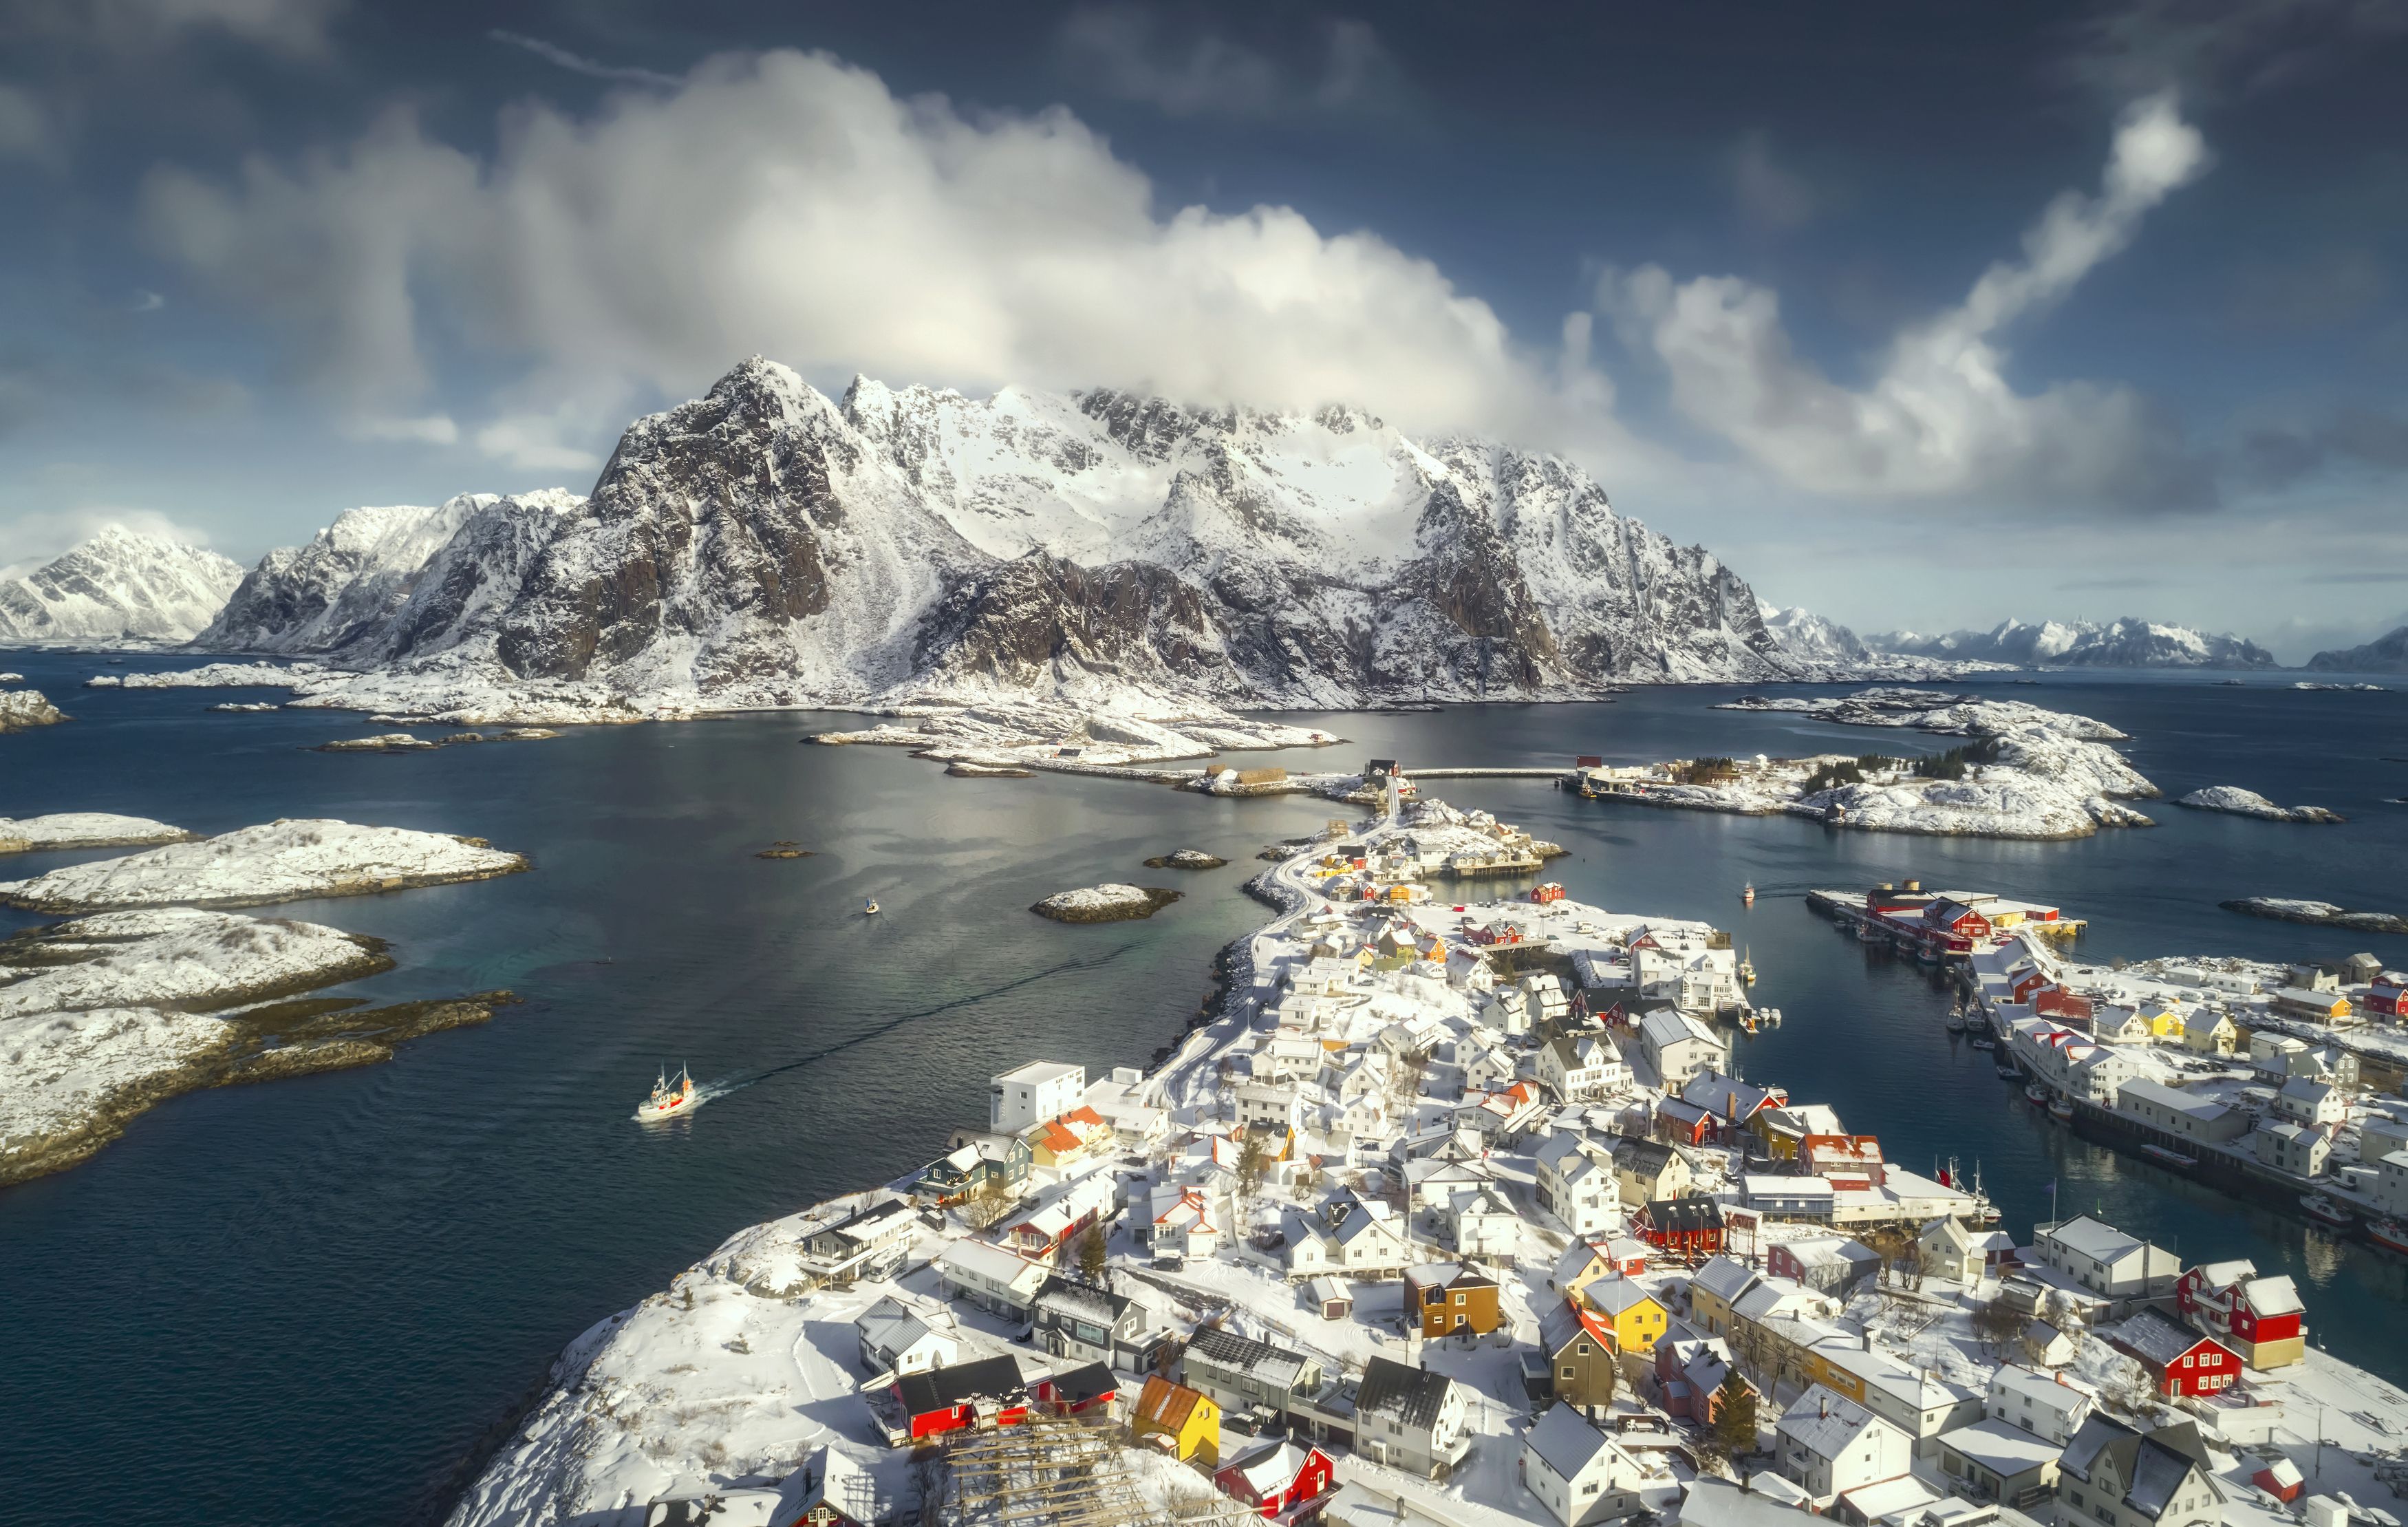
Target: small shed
1330,1298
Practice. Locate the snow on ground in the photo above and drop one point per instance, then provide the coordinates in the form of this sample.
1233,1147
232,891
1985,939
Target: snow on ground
279,861
2241,802
1108,902
222,676
173,958
64,1069
23,709
83,830
1098,727
1933,711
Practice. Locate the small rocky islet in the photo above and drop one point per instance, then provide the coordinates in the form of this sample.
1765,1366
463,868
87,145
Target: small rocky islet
1185,858
1111,902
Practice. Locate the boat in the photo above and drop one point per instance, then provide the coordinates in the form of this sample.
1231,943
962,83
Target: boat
2008,1071
2324,1211
1747,894
1983,1042
2036,1092
667,1102
2060,1110
2168,1156
1956,1023
2389,1233
869,908
1747,968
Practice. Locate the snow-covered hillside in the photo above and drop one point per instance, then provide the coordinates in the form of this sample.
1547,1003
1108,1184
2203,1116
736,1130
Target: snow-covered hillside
770,545
118,586
2127,642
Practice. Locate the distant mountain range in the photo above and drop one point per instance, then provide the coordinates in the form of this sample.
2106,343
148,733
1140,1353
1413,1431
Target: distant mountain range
2120,644
2386,654
118,586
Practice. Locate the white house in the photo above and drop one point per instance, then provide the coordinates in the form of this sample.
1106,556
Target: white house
1482,1223
2098,1256
1678,1046
2311,1102
896,1340
991,1277
1040,1089
1829,1445
2051,1406
1577,1471
1411,1418
2301,1149
1575,1182
1578,1067
1951,1249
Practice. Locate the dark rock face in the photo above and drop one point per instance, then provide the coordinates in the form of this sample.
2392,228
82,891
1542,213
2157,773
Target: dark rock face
2386,654
766,545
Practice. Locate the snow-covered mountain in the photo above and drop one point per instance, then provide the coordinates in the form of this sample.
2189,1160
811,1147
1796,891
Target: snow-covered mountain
2386,654
118,586
768,545
2121,643
1802,633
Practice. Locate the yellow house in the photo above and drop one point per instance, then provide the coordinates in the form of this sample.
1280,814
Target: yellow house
2165,1021
1189,1419
1627,1310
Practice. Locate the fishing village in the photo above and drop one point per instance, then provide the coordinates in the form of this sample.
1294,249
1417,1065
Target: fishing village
1462,1210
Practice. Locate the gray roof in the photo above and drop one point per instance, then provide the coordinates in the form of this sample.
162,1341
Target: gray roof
1414,1396
1083,1299
1565,1439
2154,1337
2094,1238
1241,1354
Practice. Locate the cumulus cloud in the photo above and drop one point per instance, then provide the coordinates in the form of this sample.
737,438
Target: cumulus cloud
1940,418
789,203
1130,54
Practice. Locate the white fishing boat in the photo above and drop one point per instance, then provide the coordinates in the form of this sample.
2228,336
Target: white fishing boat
1747,894
669,1101
869,908
2322,1208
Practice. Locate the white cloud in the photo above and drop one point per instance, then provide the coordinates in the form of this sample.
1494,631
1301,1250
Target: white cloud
790,205
1940,418
29,541
551,52
542,442
25,128
426,429
1126,52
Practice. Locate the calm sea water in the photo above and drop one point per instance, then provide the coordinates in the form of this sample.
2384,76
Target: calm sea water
309,1301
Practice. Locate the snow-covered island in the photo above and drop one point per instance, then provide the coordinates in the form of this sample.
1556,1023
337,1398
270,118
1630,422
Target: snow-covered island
21,709
84,830
1185,858
1449,1214
2299,910
1113,903
279,862
2027,772
104,1017
2241,802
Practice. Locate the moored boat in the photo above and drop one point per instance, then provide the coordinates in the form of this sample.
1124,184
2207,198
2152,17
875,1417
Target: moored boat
1747,894
1956,1023
2389,1233
2168,1156
2036,1092
2060,1110
2324,1211
2009,1073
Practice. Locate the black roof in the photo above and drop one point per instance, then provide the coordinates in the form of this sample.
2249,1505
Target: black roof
1080,1385
1691,1211
942,1389
1411,1395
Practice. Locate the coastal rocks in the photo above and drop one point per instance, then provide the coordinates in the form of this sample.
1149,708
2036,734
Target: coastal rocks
1108,903
21,709
1994,806
75,1077
176,958
246,706
961,769
2323,913
1121,728
391,742
84,830
222,676
2241,802
279,861
1185,858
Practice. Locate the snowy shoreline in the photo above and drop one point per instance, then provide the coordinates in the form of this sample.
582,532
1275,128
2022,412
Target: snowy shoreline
286,861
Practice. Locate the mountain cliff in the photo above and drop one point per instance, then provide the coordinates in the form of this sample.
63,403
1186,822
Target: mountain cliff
118,586
767,544
2386,654
2122,643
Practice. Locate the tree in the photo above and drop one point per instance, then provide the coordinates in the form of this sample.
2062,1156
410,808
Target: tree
1253,1162
1997,1323
1734,1426
1092,1253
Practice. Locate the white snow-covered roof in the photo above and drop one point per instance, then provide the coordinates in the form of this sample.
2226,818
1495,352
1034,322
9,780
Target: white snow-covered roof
1566,1442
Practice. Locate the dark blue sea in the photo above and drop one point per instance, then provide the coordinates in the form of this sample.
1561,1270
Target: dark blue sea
316,1300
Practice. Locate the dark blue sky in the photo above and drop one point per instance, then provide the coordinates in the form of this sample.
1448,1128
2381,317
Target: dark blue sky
266,259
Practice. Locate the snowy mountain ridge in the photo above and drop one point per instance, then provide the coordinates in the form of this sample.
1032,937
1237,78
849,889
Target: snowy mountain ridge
119,585
770,545
2127,642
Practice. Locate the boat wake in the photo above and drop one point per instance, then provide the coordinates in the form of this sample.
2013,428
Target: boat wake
712,1090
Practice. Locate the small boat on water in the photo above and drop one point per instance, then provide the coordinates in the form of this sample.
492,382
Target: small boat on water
1957,1023
2036,1092
1747,894
2060,1110
2168,1156
669,1101
2009,1073
2324,1211
2389,1233
869,908
1983,1042
1747,968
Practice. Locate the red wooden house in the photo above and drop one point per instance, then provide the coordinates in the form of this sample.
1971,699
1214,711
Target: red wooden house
1687,1228
2259,1318
2387,999
1286,1481
2064,1006
1954,928
1851,1162
1082,1392
2179,1361
941,1400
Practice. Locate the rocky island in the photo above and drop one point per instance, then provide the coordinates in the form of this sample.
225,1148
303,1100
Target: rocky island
85,830
1108,903
279,862
1185,858
21,709
2324,914
2241,802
